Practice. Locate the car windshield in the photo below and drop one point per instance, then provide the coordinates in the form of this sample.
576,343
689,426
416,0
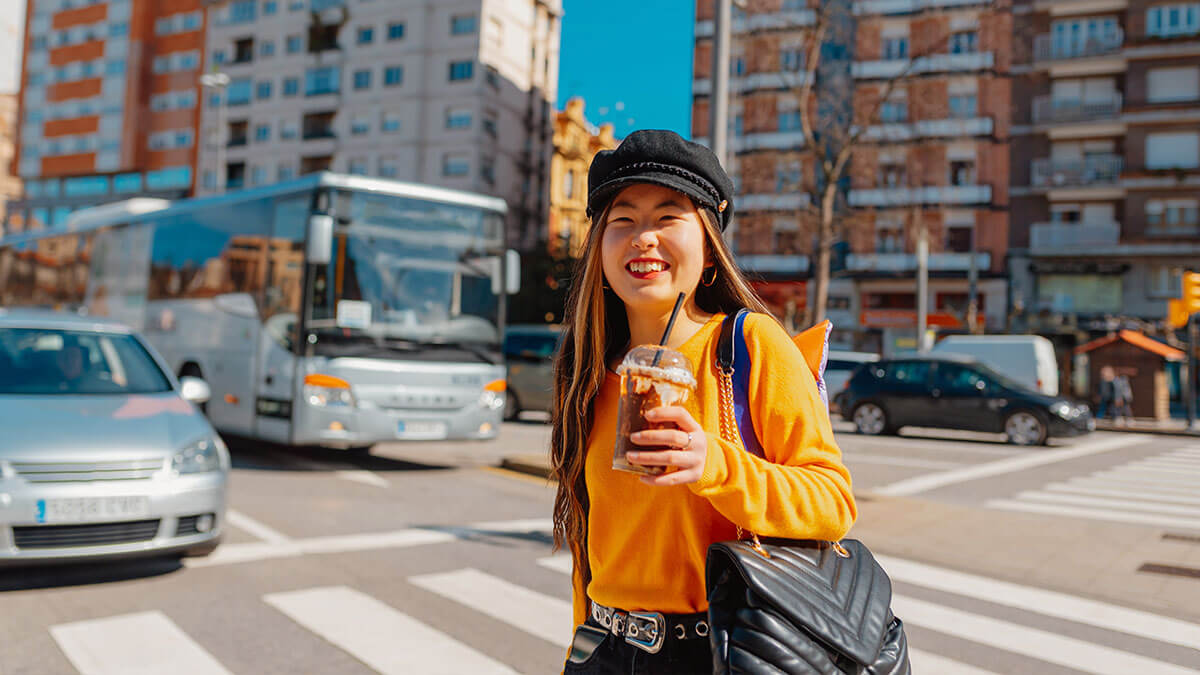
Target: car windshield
35,361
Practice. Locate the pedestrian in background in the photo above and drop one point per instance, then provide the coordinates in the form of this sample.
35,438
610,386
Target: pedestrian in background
1122,400
639,542
1106,392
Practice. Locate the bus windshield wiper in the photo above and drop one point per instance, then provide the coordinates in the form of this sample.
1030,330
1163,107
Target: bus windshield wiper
478,349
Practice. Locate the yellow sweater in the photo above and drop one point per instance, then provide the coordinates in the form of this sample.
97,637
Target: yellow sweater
647,544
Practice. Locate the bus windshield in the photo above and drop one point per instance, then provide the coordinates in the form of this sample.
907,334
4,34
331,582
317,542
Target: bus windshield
410,270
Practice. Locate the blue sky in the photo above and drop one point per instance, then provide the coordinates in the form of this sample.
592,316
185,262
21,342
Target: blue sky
631,60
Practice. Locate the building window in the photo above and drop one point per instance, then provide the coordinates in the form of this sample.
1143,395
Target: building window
318,125
1180,150
360,126
210,180
889,237
295,44
458,119
238,133
737,66
791,60
789,120
788,175
242,11
1165,281
455,165
958,238
264,91
193,21
395,31
1165,216
118,29
892,112
243,50
258,175
291,86
963,106
895,48
387,168
262,133
891,175
391,123
1168,85
962,172
288,132
238,92
358,166
285,172
739,124
266,49
461,70
362,79
393,76
270,7
568,184
462,25
1173,20
487,170
319,81
488,123
366,35
964,42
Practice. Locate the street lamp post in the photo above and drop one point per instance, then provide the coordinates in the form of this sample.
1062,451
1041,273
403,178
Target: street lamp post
218,82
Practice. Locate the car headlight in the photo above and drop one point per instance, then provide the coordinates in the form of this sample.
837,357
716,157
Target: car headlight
493,394
6,470
199,456
1062,409
325,391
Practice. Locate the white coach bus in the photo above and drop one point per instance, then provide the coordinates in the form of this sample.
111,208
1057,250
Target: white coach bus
329,310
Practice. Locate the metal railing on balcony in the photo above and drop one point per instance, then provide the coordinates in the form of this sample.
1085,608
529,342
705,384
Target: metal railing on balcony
905,262
1053,238
1048,110
1048,48
934,194
1102,170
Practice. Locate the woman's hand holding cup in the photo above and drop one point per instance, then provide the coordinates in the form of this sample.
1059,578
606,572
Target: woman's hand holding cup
685,461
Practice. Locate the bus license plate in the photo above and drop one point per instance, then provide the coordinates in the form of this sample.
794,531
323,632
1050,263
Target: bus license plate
421,430
91,509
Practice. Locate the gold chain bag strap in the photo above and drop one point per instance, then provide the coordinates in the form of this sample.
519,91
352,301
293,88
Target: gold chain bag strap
775,603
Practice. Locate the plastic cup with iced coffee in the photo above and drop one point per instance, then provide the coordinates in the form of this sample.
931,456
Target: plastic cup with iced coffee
651,377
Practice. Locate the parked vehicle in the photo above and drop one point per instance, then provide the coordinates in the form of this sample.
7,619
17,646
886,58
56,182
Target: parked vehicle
1028,359
529,350
103,453
840,367
951,391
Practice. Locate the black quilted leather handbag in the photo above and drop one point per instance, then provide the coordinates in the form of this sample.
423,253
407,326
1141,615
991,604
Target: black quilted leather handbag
786,605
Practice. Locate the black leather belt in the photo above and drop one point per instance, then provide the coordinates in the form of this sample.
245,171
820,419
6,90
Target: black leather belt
649,630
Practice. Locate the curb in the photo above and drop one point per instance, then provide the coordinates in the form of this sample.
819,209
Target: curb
527,465
1157,431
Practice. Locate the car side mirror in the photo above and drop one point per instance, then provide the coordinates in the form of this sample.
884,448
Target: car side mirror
194,389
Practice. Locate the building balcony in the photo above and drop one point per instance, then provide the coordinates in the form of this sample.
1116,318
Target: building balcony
1047,110
902,131
774,264
1046,48
1095,170
759,22
907,6
1071,238
934,63
767,140
741,84
907,262
937,194
790,201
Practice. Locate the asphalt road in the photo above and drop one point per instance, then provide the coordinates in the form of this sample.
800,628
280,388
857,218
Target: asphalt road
423,558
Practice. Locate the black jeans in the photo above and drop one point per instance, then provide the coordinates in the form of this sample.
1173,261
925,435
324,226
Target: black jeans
615,656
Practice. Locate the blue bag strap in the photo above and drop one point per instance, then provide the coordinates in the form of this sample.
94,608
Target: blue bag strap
733,357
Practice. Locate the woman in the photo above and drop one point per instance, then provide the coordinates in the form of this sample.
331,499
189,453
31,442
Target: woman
658,204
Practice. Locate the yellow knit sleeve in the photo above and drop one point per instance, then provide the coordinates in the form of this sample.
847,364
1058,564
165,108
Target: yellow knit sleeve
801,489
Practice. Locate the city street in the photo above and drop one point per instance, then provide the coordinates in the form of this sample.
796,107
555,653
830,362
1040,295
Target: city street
425,558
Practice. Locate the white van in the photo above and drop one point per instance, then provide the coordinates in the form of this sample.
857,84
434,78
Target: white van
1028,359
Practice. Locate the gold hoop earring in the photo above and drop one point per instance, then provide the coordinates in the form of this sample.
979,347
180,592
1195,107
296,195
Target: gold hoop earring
711,281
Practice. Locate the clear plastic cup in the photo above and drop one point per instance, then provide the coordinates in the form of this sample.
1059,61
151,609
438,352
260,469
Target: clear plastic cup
646,385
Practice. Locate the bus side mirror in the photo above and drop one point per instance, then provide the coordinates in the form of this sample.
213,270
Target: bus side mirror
512,272
319,250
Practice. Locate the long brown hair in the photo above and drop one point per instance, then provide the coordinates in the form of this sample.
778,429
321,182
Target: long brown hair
596,329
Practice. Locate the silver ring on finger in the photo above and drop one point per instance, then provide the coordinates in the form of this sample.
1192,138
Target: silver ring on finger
689,441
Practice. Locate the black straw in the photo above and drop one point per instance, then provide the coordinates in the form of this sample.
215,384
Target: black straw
667,332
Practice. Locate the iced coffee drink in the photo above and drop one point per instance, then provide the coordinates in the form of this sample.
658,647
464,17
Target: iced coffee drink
647,383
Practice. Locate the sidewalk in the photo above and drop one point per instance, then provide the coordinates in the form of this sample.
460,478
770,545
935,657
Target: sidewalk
1087,558
1174,427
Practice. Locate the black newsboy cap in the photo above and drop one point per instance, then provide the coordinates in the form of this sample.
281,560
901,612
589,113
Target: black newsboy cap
662,158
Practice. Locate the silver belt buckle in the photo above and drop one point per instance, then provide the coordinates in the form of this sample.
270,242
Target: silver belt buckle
646,631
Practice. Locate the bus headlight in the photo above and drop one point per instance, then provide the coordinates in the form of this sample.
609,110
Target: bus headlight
326,391
199,456
492,397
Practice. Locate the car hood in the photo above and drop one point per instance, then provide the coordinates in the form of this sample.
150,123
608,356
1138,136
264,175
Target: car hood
89,428
1040,399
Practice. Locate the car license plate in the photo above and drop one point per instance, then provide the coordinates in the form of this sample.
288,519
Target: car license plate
421,430
91,509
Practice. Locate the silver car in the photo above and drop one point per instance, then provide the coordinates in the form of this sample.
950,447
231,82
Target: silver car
529,351
103,453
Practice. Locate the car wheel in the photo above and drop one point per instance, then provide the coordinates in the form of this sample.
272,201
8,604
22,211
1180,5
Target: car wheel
870,419
512,407
1025,428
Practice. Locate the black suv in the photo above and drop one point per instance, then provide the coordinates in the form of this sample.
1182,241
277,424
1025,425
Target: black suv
955,393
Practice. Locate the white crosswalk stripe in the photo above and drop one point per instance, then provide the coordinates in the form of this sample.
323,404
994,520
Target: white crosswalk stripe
1162,490
384,638
539,615
146,643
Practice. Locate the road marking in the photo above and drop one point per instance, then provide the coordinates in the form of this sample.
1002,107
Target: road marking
535,613
1041,601
559,563
364,477
949,445
925,483
385,639
1094,514
928,663
1133,505
851,458
252,526
526,525
1141,484
1034,643
1103,490
1164,477
146,643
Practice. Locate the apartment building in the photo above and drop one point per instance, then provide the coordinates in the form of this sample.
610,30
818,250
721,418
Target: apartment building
10,185
934,156
455,93
108,104
1106,158
576,142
